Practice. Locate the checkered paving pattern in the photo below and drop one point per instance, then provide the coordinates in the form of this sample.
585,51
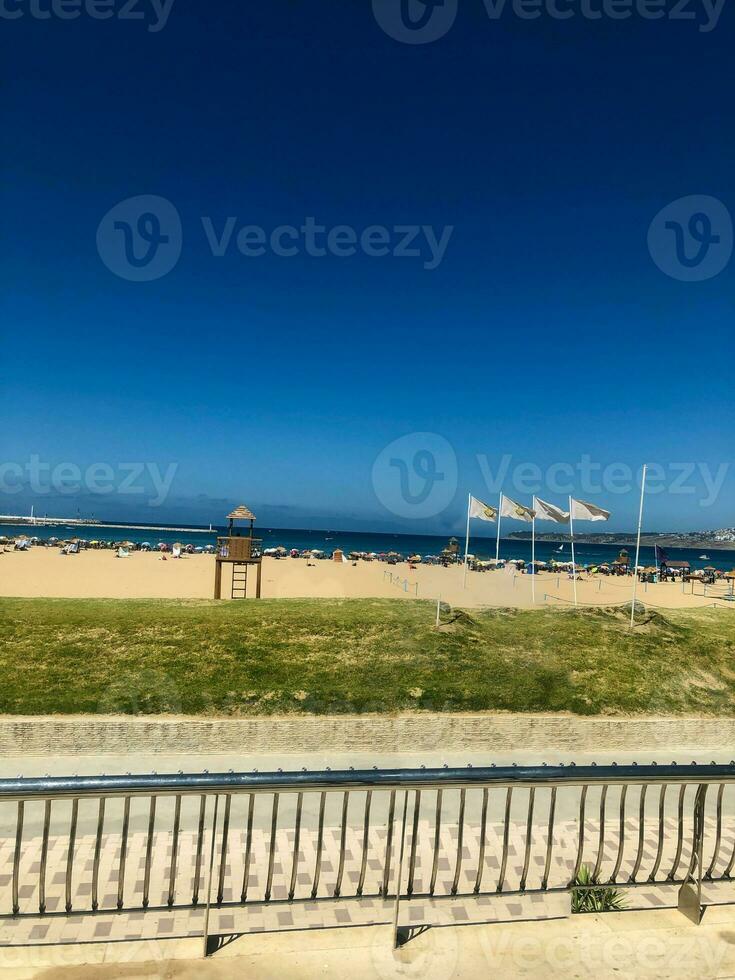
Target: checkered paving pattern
306,911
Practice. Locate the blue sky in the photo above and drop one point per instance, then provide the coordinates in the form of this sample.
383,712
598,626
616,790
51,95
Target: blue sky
547,331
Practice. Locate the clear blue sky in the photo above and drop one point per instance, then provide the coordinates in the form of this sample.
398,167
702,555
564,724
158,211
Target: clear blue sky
546,332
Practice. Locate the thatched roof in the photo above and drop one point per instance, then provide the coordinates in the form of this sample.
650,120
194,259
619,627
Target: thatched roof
241,513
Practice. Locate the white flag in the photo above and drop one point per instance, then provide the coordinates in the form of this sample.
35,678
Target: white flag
548,512
483,512
509,508
582,511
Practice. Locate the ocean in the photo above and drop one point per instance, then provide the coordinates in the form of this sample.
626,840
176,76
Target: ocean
405,544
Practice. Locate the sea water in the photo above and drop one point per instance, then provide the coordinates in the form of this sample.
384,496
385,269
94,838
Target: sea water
404,544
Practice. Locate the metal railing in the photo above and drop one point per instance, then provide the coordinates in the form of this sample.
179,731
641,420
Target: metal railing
394,835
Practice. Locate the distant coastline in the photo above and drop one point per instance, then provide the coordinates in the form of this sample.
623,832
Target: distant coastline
704,540
663,540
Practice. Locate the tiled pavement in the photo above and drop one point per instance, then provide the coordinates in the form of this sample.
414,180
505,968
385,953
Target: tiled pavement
303,912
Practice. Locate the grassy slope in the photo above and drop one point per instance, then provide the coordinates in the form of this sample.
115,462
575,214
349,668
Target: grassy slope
62,656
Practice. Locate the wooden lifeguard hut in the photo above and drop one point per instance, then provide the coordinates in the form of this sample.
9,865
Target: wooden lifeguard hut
241,551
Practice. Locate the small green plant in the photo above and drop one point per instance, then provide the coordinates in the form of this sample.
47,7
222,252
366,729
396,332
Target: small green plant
601,898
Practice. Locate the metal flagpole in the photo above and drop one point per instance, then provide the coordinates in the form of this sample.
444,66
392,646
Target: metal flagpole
467,541
497,543
638,545
571,534
533,553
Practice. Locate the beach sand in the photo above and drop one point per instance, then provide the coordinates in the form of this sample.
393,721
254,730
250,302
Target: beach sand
44,572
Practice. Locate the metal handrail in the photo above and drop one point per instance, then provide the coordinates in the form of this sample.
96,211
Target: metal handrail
535,787
154,784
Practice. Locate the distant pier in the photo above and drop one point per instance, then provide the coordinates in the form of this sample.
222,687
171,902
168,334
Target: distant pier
77,522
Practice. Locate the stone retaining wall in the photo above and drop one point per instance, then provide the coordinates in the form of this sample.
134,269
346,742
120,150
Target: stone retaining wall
120,735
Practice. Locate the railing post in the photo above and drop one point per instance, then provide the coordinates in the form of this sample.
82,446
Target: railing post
690,893
205,934
399,872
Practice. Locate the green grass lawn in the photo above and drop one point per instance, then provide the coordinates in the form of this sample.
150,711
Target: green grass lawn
337,656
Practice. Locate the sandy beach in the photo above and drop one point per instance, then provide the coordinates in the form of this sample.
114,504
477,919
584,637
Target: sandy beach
45,572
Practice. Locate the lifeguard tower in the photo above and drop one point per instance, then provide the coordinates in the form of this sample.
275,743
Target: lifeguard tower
241,551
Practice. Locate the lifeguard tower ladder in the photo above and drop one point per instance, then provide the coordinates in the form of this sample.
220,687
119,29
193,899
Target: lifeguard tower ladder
240,551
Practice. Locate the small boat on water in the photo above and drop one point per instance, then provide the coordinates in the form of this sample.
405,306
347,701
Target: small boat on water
704,557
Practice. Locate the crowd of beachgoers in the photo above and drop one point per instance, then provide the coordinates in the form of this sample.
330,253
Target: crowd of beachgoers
447,558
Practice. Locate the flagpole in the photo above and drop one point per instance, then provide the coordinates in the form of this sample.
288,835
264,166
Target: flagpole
638,546
467,541
533,552
571,534
497,543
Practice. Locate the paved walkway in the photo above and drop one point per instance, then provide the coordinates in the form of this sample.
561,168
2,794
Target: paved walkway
653,944
304,915
305,911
